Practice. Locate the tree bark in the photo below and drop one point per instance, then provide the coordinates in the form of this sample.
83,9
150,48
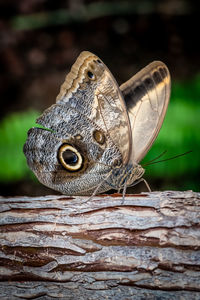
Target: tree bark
147,247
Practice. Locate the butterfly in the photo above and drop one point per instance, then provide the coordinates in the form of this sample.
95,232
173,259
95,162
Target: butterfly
93,138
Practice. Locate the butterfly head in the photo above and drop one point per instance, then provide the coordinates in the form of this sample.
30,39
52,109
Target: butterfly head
125,176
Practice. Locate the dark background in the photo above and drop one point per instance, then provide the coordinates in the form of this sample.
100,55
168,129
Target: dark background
40,40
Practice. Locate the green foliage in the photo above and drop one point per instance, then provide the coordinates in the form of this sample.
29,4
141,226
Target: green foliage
13,133
82,13
180,133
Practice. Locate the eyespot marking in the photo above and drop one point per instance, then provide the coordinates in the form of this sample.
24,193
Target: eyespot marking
99,137
70,158
91,75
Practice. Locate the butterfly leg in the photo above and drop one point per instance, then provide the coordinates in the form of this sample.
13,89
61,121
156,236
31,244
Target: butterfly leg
145,182
94,192
98,187
124,192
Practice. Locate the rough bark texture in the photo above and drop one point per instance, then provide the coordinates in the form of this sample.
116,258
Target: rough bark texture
147,247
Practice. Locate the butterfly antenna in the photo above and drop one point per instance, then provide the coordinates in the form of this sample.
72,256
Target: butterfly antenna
170,158
157,157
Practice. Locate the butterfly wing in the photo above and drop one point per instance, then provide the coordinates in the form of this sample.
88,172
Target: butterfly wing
146,96
84,135
103,104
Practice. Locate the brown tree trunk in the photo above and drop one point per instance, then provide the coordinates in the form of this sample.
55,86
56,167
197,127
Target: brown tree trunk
147,247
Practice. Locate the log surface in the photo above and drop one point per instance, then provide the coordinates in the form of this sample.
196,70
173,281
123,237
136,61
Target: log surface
147,247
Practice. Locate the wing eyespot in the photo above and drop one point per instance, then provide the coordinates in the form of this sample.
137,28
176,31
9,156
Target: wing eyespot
99,137
70,158
91,75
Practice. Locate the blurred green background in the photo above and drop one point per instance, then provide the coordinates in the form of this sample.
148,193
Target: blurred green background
39,41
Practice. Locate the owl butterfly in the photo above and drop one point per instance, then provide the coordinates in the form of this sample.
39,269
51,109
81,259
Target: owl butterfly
97,132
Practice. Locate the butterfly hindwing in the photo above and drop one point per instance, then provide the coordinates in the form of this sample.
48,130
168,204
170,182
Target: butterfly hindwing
146,96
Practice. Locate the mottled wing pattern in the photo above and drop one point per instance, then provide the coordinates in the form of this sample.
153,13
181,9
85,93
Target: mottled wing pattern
91,89
109,128
146,96
89,116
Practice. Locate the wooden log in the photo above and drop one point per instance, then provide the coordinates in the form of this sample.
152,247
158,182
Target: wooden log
147,247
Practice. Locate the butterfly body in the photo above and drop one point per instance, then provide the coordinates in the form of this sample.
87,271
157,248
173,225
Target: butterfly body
92,138
125,176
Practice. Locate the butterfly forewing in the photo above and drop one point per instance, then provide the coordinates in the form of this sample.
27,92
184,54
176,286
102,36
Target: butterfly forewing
146,96
100,98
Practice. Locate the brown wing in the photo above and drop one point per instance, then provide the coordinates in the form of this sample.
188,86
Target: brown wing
146,96
91,89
